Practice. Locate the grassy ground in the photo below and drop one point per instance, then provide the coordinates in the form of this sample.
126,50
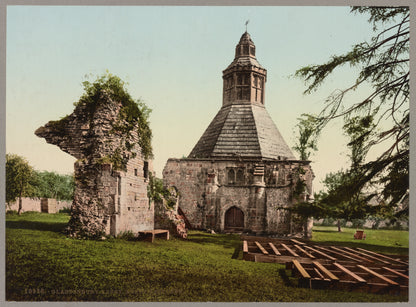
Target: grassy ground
42,264
394,242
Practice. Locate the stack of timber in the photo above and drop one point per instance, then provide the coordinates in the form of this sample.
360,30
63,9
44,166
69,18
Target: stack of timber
332,267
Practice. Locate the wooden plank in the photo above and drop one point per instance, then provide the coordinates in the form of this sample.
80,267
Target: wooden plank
321,253
325,270
364,254
389,281
300,269
345,270
297,242
381,255
339,254
351,254
319,273
279,259
275,250
289,250
305,252
395,272
261,248
245,247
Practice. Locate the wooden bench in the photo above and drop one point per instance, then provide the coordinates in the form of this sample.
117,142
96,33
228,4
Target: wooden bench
359,235
153,233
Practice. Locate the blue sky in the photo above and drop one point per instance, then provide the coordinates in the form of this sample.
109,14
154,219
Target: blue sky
172,58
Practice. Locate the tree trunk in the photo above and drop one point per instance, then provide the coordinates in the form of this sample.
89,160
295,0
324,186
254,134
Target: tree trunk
339,225
305,229
20,205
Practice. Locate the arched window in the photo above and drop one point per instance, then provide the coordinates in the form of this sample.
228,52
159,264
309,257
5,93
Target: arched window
239,79
282,176
231,176
240,176
245,52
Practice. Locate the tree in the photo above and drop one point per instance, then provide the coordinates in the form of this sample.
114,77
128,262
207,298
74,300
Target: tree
307,137
19,179
343,199
53,185
384,64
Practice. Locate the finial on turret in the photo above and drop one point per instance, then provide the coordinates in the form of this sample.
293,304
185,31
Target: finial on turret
248,20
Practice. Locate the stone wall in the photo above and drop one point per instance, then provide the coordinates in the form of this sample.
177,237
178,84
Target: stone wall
262,191
111,174
167,217
34,204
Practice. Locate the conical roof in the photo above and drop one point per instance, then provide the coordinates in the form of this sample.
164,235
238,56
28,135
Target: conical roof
243,127
245,130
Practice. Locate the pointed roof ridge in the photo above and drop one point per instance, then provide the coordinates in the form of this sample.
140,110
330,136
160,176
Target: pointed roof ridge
244,130
245,37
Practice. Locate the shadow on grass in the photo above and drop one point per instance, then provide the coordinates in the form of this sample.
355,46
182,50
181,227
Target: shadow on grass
228,241
371,247
34,225
285,278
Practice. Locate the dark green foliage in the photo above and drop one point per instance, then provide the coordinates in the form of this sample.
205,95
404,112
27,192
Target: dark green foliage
53,185
202,268
19,178
382,117
307,138
23,181
360,130
157,192
133,113
341,201
116,159
155,189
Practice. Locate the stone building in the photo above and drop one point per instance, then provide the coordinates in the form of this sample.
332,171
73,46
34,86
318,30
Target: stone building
241,175
111,173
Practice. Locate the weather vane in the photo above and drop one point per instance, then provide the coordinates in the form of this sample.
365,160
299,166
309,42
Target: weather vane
248,20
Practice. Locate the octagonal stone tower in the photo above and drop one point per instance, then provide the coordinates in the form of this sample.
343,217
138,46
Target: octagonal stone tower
241,175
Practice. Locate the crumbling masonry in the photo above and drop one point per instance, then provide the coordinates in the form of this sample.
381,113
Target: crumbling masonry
111,174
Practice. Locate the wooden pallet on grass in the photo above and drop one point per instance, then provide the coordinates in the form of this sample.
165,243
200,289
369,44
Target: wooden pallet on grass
332,267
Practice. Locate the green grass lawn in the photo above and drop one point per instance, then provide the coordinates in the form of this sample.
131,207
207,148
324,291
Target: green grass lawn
395,242
43,264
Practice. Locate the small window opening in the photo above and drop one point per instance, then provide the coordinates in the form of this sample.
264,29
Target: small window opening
231,176
146,170
240,176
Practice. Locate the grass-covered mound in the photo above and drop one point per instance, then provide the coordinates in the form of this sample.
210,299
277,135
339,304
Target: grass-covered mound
43,264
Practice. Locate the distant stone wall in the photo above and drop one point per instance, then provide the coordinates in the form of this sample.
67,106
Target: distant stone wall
208,189
34,204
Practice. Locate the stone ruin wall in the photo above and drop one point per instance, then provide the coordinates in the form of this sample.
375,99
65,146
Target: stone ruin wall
206,194
167,216
106,200
135,212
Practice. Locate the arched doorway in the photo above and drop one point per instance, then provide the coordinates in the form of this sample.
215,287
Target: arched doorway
234,219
